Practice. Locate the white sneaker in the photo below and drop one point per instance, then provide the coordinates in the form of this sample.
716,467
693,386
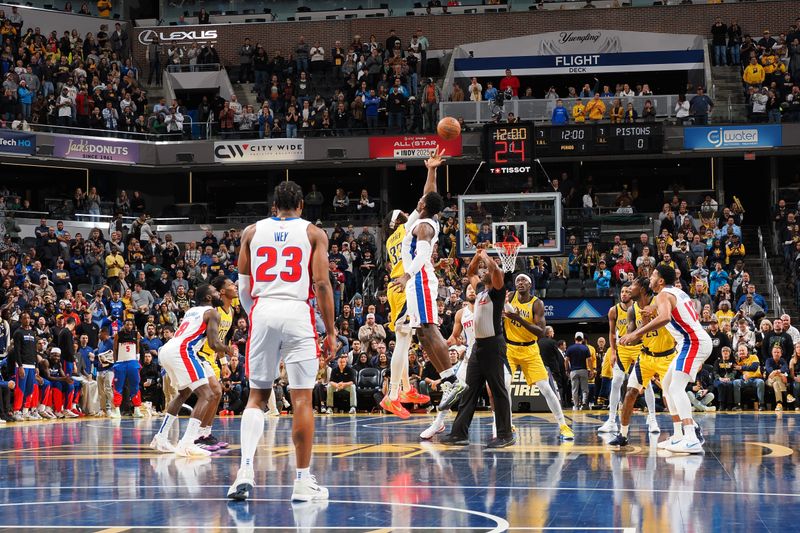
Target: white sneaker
60,414
652,424
110,413
18,416
241,488
48,413
273,412
352,410
328,411
161,444
431,430
26,415
137,413
307,490
608,427
666,442
34,415
685,446
286,404
69,414
713,408
190,450
115,413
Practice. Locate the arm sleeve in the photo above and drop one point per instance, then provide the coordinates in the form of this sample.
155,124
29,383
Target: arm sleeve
245,298
412,217
424,252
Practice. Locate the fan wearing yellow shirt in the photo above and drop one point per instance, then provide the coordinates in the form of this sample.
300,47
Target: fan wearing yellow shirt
622,358
227,293
524,323
658,351
579,112
400,390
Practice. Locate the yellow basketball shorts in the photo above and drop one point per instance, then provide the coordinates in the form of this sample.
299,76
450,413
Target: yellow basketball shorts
528,359
210,361
397,306
646,367
626,358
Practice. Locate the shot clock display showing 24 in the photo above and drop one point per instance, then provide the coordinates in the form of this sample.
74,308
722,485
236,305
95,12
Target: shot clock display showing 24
508,148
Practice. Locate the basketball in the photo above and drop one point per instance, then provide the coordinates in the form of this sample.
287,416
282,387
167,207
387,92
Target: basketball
448,128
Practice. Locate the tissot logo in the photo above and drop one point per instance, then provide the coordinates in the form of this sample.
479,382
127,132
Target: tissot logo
147,36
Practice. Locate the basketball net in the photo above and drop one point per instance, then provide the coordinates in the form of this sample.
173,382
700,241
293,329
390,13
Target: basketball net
507,251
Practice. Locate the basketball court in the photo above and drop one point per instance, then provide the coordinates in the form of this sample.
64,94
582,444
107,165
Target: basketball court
99,475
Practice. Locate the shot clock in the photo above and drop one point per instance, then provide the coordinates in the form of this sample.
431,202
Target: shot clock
508,148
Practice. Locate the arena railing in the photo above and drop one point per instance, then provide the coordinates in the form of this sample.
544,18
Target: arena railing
775,298
197,67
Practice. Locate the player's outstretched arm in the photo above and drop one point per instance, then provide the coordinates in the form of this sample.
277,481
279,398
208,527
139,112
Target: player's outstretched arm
322,286
432,163
245,298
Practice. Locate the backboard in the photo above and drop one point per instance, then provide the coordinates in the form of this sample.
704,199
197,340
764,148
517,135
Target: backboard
533,218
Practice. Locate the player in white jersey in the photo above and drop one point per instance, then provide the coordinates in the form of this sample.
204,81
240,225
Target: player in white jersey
283,264
180,358
421,288
463,331
676,312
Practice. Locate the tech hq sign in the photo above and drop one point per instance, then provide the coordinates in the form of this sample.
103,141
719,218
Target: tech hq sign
200,36
14,142
732,137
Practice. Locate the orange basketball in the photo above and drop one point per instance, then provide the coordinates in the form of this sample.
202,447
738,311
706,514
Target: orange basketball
448,128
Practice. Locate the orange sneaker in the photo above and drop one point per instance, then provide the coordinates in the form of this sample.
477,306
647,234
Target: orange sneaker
412,396
394,407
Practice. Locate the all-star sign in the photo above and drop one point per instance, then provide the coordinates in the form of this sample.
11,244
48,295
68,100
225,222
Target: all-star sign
411,146
269,150
199,36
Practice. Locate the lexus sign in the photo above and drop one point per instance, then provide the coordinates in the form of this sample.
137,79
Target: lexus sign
198,36
262,150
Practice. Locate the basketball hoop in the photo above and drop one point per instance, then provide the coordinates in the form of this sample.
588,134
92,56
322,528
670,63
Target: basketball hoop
507,251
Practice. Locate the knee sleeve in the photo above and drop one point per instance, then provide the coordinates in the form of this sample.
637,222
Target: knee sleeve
677,396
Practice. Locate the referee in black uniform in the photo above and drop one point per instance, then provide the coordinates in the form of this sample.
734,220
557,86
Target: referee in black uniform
488,362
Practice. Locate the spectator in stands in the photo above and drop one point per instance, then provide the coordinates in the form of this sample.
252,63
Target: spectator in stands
579,112
777,372
719,37
748,364
595,109
734,42
560,114
510,82
246,53
701,107
342,378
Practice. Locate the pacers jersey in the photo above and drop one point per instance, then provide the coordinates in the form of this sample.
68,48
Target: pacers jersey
658,342
225,322
191,334
394,245
468,325
621,329
280,260
516,332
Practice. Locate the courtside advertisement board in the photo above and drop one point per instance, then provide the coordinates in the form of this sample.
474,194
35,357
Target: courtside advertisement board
411,146
259,151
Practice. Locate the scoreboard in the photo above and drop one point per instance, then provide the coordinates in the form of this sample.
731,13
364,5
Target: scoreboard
515,146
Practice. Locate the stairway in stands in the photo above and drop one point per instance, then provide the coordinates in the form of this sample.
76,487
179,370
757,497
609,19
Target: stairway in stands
245,95
782,278
729,102
753,263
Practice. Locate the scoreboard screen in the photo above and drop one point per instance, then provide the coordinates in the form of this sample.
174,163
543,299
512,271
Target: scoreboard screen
598,139
508,148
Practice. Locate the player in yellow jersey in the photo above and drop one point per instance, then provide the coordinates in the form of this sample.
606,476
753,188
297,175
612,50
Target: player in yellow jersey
524,323
398,225
227,293
622,359
657,352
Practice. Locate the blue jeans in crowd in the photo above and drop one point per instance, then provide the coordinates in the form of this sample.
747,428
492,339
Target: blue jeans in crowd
752,383
720,55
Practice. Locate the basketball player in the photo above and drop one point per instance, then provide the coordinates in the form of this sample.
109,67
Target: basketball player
676,313
524,324
127,347
488,364
416,251
399,224
622,359
22,361
181,359
463,329
279,259
226,293
657,352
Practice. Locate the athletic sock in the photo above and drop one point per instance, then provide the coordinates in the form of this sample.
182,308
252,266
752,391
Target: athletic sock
689,432
205,431
250,434
398,364
677,429
494,426
440,416
166,425
192,432
447,373
623,430
303,473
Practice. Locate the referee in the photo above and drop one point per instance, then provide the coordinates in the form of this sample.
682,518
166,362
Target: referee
488,363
